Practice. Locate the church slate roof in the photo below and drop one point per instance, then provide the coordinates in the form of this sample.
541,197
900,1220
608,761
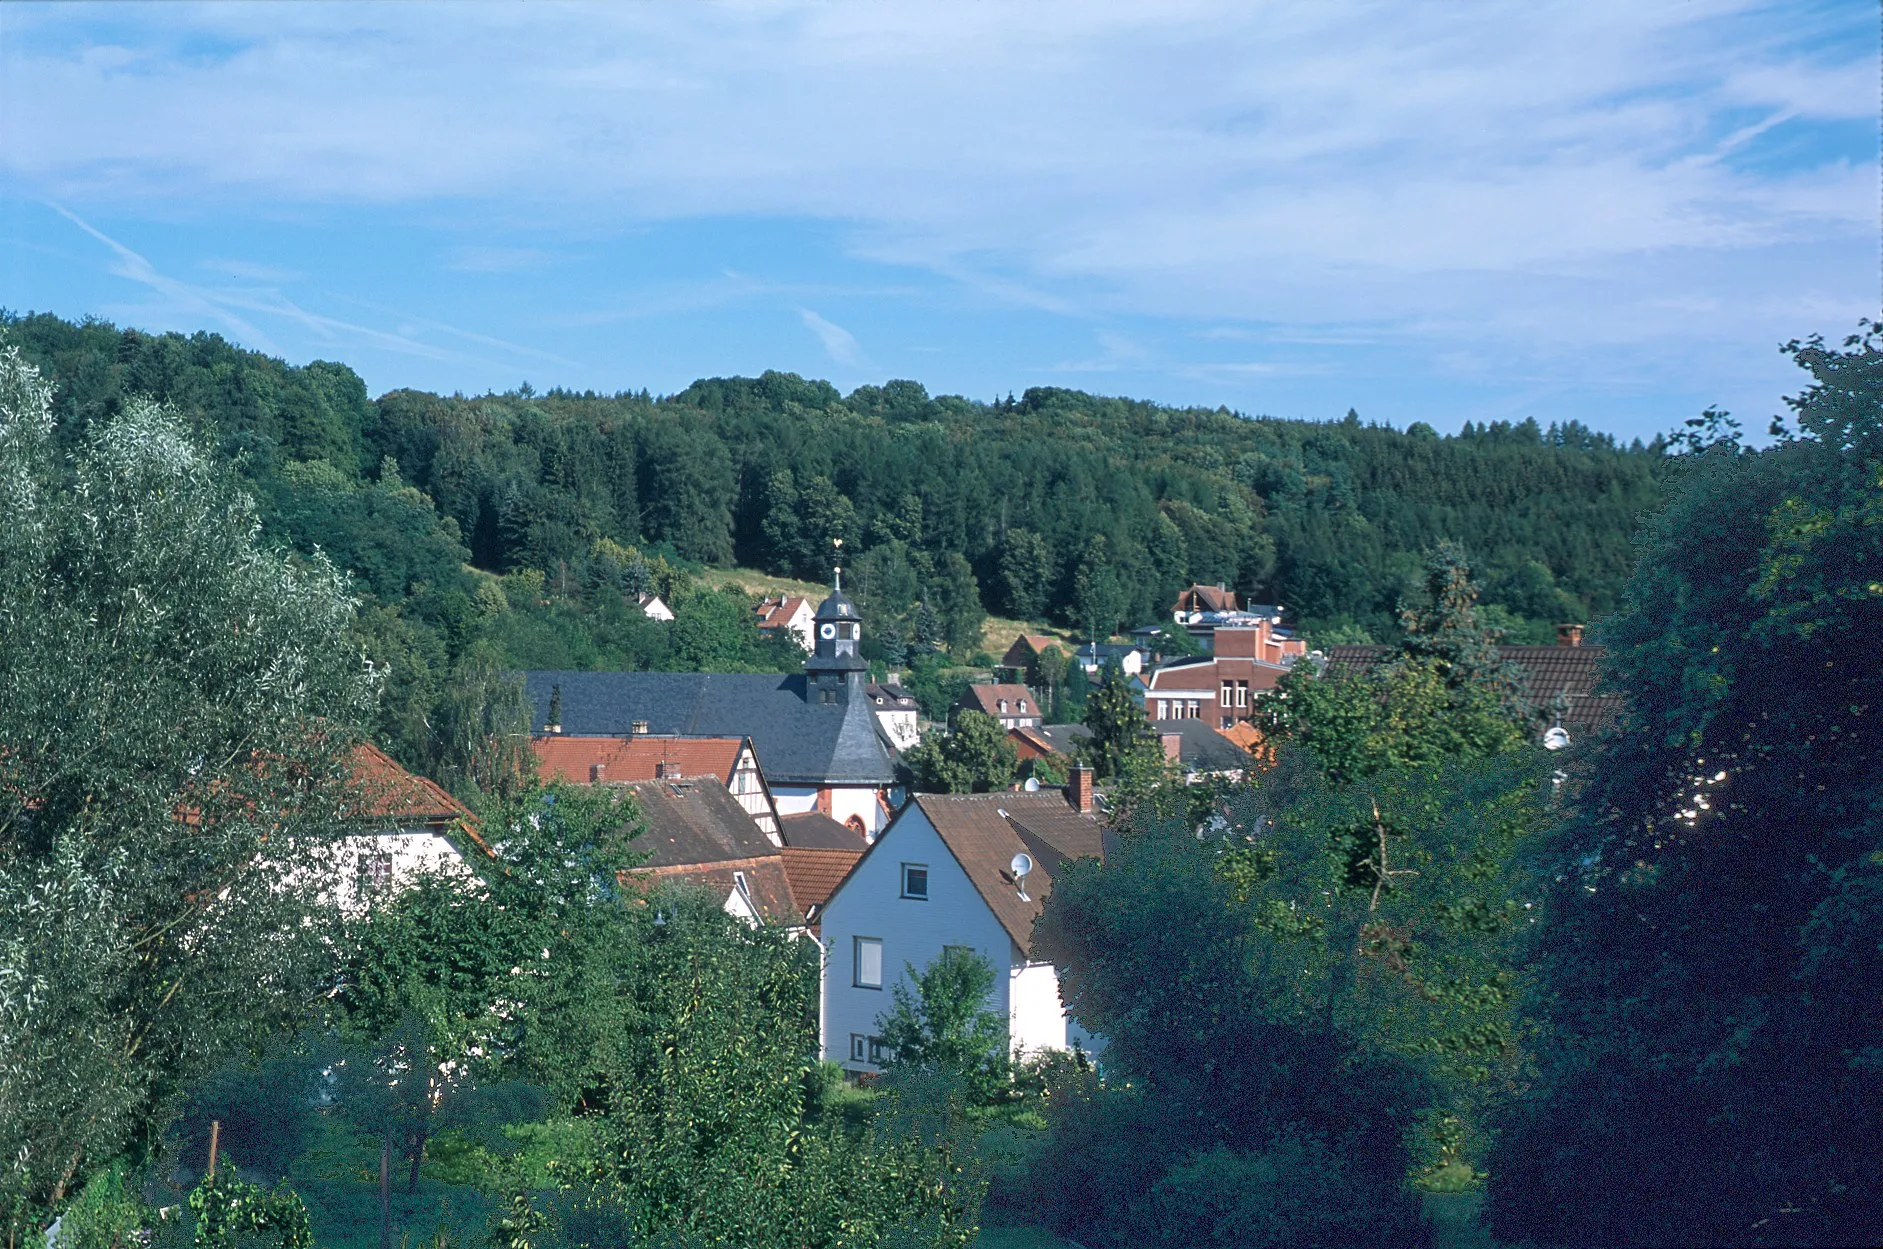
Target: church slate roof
797,742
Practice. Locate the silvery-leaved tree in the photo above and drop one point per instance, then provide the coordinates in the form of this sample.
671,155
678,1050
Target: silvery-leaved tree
176,705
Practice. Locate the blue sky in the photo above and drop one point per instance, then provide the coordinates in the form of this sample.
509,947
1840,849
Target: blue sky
1612,211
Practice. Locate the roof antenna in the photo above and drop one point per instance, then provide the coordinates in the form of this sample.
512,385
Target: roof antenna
1021,865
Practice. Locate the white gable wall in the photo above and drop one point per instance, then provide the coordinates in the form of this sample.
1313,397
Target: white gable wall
870,904
1036,1019
390,861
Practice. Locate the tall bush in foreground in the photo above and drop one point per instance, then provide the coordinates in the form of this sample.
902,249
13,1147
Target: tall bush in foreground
174,711
1712,1048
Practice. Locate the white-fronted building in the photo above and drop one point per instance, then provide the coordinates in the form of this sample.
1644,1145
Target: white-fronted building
941,876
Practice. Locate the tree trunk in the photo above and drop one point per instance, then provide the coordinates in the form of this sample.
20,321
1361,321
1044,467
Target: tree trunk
385,1190
418,1156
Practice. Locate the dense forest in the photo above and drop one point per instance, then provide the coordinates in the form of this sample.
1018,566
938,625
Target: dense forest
501,531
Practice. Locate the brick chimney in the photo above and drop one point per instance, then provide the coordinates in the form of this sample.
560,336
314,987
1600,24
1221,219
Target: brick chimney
1173,746
1569,635
1081,791
597,772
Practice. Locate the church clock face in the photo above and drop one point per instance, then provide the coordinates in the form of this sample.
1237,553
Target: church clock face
827,631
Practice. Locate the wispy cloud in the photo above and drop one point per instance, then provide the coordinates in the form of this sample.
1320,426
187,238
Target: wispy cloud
225,306
1564,180
183,295
840,344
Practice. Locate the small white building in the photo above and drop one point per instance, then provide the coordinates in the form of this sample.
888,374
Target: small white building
792,613
652,607
943,875
898,714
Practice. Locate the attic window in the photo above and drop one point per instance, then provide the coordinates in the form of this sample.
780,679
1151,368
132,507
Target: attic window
915,881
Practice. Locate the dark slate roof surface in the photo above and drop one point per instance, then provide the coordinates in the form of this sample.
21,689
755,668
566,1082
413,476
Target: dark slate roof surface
813,830
695,822
797,742
1201,748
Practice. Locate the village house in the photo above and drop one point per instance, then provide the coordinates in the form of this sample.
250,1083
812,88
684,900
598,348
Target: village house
653,608
791,613
1202,751
1013,705
401,827
1198,599
1220,688
1560,682
696,833
967,871
1094,656
1021,662
648,757
898,713
1056,742
815,733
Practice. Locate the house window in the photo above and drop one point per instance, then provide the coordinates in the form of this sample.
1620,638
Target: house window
869,962
373,874
865,1049
1229,722
915,881
1242,693
1227,687
958,949
1162,708
1003,705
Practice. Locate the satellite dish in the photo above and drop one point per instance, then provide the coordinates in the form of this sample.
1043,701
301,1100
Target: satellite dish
1021,865
1032,784
1556,738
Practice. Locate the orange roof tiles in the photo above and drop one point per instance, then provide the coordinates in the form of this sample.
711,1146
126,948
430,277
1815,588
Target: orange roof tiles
627,759
775,613
815,872
389,792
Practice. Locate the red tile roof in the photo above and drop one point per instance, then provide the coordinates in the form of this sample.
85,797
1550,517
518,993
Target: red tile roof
389,792
775,613
627,759
1030,646
391,795
815,872
1206,598
987,699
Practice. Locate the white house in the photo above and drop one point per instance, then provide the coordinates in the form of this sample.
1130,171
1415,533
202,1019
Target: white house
898,714
654,609
790,612
401,827
943,875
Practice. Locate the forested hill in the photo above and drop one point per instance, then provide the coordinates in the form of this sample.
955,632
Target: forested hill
1063,505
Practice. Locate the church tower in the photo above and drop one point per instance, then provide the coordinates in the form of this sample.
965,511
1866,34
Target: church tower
834,672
